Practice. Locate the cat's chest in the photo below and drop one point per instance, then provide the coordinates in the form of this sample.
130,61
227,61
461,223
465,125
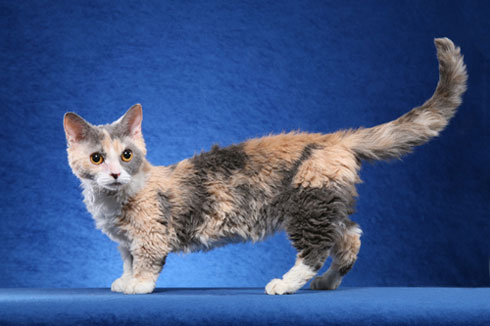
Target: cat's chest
107,212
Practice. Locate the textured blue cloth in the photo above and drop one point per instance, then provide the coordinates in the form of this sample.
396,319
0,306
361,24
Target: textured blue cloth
221,71
228,306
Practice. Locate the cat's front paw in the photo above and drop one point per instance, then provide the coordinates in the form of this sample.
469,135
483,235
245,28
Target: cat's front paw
136,286
120,284
278,286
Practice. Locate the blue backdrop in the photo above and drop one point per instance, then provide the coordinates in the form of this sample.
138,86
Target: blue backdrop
221,72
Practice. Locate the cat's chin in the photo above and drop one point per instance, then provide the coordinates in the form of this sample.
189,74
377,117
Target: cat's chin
115,186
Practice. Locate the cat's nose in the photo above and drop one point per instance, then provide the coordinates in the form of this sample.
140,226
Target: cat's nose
115,175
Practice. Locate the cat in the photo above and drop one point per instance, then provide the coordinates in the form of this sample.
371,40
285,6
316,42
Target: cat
302,183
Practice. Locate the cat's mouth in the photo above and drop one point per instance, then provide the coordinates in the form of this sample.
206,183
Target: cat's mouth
114,185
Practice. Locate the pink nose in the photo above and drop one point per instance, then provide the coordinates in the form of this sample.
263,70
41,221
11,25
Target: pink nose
115,175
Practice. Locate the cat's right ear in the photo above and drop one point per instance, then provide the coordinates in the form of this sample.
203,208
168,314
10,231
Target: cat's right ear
131,121
76,129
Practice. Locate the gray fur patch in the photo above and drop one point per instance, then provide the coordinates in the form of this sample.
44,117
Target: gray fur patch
218,161
345,269
197,205
165,208
94,135
290,173
86,175
221,160
117,130
133,166
314,220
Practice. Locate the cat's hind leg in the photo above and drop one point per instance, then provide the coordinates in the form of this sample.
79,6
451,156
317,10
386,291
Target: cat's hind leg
296,277
314,222
344,255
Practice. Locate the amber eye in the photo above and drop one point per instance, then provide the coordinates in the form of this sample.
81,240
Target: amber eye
96,158
127,155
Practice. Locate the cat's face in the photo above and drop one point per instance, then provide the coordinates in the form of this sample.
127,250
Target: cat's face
109,156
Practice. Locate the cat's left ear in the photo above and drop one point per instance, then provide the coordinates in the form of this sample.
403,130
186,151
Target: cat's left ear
131,121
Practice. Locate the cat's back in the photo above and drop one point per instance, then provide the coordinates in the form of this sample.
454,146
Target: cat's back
258,169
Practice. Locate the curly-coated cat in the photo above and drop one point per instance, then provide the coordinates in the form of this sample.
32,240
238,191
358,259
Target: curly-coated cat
302,183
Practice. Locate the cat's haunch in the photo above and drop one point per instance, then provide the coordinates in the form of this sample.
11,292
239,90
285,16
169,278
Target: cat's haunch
302,183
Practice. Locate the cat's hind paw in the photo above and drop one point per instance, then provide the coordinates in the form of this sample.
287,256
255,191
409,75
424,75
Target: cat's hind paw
325,283
136,286
278,286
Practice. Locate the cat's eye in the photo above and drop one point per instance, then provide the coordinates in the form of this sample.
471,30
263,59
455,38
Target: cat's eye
96,158
127,155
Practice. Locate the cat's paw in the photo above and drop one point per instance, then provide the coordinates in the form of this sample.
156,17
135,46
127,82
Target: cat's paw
136,286
120,284
325,283
278,286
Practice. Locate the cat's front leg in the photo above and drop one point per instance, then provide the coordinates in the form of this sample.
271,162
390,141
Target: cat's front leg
147,265
120,284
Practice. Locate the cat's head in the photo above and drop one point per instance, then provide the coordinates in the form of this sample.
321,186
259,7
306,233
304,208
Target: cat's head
109,156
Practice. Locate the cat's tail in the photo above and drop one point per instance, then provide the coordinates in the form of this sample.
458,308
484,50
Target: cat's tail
395,138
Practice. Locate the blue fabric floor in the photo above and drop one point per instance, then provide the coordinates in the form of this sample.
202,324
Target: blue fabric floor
229,306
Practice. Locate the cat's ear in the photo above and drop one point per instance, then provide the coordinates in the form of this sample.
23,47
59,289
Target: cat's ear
76,129
131,121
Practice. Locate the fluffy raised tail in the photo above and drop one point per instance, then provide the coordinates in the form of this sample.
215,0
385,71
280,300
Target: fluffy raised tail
395,138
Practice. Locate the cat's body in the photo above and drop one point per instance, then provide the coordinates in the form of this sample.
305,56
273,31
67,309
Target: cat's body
298,182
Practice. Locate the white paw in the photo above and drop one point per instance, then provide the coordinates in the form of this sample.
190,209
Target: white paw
325,283
136,286
120,284
278,286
